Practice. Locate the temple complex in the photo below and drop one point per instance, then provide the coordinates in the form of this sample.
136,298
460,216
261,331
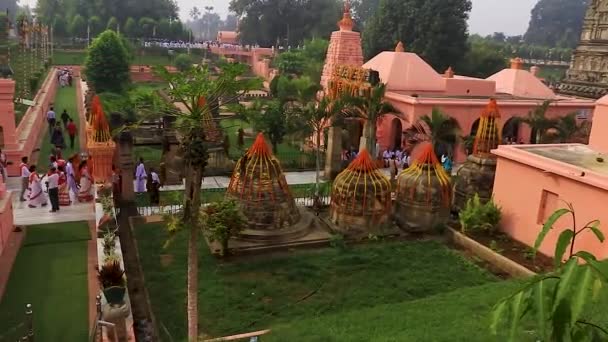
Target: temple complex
344,47
588,73
259,186
476,176
423,194
361,198
415,88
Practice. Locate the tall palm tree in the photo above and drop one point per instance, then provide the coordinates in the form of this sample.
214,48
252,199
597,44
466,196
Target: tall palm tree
193,92
568,129
539,122
371,108
440,129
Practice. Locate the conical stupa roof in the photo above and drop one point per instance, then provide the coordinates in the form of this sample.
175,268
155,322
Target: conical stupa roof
418,176
361,188
99,127
488,135
259,185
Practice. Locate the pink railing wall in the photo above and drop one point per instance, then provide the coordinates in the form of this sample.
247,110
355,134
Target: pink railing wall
32,122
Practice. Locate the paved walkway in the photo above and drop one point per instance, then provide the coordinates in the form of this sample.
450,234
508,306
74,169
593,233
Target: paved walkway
30,216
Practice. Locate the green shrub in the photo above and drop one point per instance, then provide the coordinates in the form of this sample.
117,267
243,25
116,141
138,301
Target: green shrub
223,220
34,85
107,63
183,62
479,217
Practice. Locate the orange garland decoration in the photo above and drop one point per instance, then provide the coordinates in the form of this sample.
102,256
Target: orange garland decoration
489,134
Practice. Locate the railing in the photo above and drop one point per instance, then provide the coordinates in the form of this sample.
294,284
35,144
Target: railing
171,201
96,334
26,327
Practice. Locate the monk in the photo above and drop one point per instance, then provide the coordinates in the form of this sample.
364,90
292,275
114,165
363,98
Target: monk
140,177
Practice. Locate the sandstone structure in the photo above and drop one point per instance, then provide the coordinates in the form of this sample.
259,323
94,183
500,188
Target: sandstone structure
588,73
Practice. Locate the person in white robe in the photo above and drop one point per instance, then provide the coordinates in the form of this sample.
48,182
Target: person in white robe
140,177
36,196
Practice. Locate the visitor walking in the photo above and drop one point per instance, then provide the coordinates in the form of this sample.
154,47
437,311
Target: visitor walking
57,138
71,128
392,164
71,177
446,162
3,165
153,187
51,119
64,118
140,177
64,190
25,176
86,183
52,181
36,194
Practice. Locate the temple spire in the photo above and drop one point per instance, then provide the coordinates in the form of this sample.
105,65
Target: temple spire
346,24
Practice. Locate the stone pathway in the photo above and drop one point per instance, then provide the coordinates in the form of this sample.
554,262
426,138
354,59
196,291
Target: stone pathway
25,216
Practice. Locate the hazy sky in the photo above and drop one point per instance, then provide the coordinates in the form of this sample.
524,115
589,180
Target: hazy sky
488,16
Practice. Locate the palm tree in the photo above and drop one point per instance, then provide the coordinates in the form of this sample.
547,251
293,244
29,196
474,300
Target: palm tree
539,123
371,108
317,115
442,130
568,129
194,92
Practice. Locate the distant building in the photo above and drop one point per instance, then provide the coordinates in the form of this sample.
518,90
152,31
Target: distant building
227,37
588,73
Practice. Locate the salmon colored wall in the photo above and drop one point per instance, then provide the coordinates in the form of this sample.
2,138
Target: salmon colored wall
466,113
599,138
28,131
518,189
6,218
471,87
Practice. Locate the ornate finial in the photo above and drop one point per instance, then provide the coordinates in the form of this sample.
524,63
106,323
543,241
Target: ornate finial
488,135
400,47
346,24
517,63
449,73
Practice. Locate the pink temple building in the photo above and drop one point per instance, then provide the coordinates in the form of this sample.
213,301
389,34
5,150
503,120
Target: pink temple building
532,181
415,88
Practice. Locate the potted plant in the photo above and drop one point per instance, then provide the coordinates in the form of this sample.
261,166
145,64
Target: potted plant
113,283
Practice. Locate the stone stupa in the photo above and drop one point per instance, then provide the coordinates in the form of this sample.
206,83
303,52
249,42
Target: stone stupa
423,194
361,198
259,186
476,176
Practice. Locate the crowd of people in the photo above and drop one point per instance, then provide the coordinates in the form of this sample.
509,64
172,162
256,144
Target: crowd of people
64,76
61,185
180,44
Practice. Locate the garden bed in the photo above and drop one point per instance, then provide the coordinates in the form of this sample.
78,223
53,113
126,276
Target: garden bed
262,291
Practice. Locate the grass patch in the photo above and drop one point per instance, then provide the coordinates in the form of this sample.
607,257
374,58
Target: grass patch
288,153
64,99
69,57
50,273
270,291
152,156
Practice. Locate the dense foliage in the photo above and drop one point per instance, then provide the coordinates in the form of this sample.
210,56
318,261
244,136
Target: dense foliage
307,61
434,29
285,22
557,303
223,220
107,63
479,217
556,23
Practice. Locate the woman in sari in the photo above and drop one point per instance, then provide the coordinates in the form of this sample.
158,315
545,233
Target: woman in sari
36,194
64,189
85,193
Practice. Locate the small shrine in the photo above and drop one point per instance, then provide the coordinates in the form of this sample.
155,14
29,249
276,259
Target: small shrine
259,186
477,174
361,198
100,145
423,194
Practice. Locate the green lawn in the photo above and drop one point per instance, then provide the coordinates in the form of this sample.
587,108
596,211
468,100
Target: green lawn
50,273
68,57
272,291
64,99
288,153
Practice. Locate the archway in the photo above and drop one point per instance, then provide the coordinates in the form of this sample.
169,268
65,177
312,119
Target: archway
474,128
396,134
510,131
